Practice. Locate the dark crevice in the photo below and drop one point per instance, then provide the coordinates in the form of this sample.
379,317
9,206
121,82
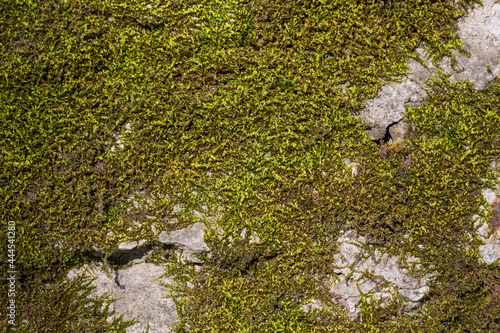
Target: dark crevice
118,282
122,257
387,136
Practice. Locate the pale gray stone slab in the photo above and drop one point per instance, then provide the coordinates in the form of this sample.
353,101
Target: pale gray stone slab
139,295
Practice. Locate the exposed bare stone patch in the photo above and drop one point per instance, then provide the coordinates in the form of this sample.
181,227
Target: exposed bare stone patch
480,35
490,250
139,293
373,274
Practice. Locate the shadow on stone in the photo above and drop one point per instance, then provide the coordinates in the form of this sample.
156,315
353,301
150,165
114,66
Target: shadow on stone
122,257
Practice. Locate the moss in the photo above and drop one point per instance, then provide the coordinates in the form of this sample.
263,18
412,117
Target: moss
65,306
247,115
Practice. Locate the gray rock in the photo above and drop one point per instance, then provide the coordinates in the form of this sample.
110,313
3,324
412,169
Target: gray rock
480,32
131,254
490,250
140,295
190,241
127,246
480,35
397,131
372,274
388,107
311,306
140,298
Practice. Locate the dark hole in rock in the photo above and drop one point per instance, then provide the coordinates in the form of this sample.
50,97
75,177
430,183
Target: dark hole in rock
385,139
387,136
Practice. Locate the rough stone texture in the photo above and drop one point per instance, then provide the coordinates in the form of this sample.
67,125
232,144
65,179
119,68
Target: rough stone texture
397,132
490,251
140,294
312,305
127,246
480,34
374,274
135,255
190,241
141,297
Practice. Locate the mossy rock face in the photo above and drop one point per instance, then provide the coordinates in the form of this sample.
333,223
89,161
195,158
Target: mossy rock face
127,118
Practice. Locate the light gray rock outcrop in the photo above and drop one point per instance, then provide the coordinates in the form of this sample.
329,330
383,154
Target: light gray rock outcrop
489,233
138,287
190,241
480,35
373,274
139,293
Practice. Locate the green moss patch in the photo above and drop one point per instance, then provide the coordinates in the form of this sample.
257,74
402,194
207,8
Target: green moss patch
235,109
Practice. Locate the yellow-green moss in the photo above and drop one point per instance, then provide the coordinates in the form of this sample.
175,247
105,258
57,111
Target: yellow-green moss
257,104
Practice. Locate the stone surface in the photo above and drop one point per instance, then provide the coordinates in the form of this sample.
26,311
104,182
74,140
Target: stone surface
490,250
312,305
373,274
134,255
480,35
190,240
139,295
138,285
127,246
397,132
